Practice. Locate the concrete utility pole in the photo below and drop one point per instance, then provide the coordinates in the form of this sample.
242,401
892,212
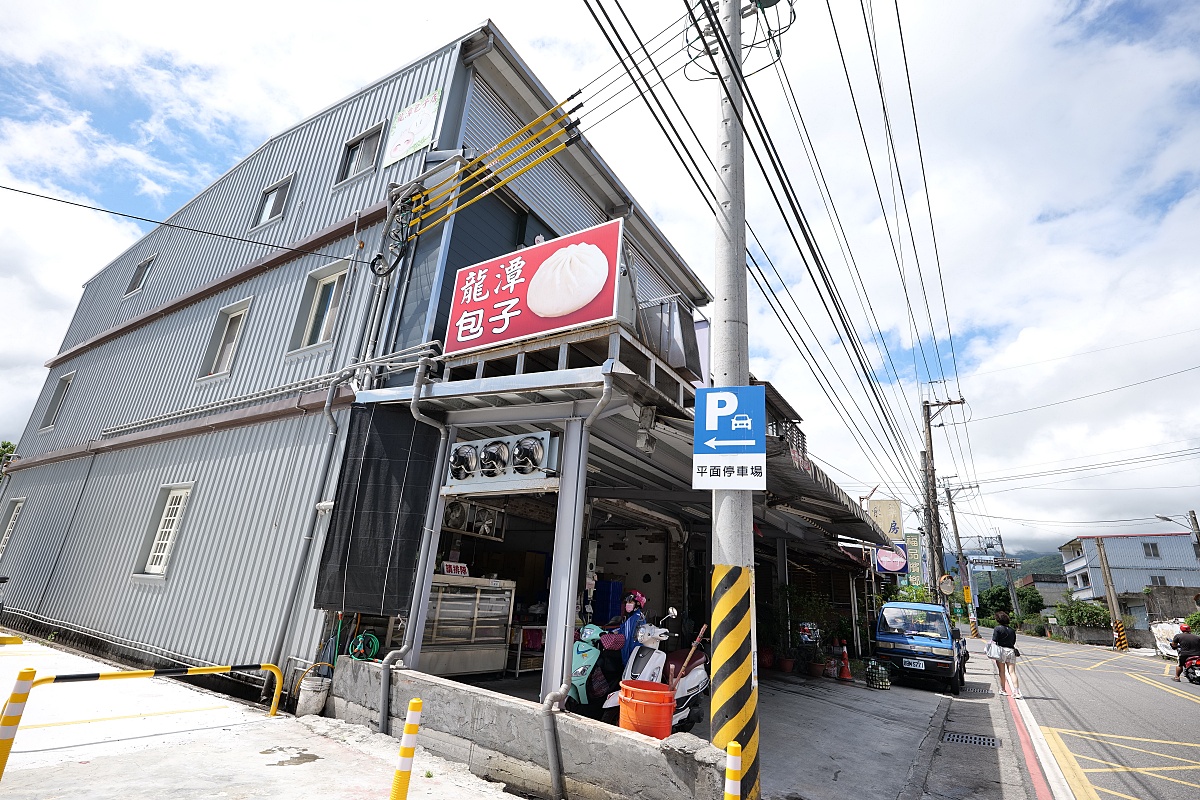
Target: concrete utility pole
929,412
734,702
964,572
1012,586
1110,595
1195,530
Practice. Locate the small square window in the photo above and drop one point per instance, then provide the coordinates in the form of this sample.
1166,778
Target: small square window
1150,549
360,153
223,343
10,521
56,401
169,517
1158,580
139,276
273,200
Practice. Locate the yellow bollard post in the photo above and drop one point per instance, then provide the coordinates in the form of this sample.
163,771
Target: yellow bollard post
733,771
13,710
408,746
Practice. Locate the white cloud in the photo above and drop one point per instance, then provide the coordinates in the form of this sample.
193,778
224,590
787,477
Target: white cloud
1061,144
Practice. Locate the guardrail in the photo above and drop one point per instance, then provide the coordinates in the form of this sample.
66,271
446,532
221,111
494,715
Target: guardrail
27,681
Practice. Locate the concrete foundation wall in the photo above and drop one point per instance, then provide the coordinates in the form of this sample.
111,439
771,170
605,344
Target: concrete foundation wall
1101,636
501,738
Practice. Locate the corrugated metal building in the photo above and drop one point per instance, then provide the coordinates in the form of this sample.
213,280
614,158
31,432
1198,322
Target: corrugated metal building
164,502
1137,561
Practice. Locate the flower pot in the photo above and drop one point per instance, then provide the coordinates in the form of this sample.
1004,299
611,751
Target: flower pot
787,664
766,659
816,669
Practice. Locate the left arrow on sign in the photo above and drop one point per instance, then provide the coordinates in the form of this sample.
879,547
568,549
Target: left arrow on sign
715,443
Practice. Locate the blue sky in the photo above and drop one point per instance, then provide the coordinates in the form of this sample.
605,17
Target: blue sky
1062,149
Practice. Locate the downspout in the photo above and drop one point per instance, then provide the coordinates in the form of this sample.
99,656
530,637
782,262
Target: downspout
410,632
550,733
310,533
553,760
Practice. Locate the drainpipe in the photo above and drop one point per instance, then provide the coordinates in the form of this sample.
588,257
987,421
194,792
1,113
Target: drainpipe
385,686
419,592
309,535
553,759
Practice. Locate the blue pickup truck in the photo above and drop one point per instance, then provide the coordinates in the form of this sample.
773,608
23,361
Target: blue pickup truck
917,640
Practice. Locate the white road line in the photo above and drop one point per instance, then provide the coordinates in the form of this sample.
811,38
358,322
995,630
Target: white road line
1054,776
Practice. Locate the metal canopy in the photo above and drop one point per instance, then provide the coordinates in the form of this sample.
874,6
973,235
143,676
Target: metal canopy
801,504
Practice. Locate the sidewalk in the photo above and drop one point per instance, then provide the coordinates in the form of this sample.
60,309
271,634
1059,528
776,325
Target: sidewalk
825,740
160,738
971,769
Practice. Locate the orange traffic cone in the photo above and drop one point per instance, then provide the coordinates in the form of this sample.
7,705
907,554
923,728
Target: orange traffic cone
845,675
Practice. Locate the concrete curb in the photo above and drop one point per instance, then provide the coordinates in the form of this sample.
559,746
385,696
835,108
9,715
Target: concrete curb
914,784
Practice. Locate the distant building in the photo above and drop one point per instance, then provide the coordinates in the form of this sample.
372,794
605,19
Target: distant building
1136,561
1051,587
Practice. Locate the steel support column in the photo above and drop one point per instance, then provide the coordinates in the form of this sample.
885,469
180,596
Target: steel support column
564,570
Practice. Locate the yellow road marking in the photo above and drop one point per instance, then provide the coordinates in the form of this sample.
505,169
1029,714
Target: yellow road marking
1105,661
1143,770
1078,782
124,716
1117,794
1128,738
1135,769
1194,764
1171,689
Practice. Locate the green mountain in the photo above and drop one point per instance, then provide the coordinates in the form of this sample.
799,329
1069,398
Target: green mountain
1044,563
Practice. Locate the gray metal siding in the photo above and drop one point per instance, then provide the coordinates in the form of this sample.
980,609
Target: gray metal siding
547,188
312,151
1131,569
232,564
155,369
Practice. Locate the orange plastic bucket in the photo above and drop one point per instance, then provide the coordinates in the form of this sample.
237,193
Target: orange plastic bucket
647,707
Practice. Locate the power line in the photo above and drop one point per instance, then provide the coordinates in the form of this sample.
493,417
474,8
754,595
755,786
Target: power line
1083,353
1086,396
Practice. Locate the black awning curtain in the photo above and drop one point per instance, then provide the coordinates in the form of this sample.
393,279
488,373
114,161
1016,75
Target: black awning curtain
368,564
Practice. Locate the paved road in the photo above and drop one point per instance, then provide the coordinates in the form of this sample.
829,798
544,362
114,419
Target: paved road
1116,723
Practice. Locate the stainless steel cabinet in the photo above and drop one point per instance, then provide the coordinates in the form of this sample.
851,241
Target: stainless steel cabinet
466,628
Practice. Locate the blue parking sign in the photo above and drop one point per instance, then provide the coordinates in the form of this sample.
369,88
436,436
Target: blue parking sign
729,445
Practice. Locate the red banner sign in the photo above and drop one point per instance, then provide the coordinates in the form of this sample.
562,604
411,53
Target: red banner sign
560,284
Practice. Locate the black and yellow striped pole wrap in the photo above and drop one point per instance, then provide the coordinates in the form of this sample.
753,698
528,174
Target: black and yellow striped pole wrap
1120,640
734,703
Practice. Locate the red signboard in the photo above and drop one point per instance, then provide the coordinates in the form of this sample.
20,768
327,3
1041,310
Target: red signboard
564,283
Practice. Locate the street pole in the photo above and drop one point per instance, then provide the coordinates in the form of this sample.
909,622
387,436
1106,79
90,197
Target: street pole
930,509
1110,595
1195,529
964,574
734,701
1012,587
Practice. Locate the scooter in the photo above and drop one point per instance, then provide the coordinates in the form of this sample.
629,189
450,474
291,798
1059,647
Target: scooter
595,670
648,663
1191,669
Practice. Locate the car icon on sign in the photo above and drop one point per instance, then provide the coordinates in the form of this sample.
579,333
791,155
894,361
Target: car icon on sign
742,422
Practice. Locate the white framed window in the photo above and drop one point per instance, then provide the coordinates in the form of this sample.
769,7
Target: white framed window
359,154
56,401
139,275
10,521
320,306
166,531
1150,549
1158,580
273,200
223,343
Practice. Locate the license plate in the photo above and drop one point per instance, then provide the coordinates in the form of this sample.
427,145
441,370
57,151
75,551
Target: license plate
913,663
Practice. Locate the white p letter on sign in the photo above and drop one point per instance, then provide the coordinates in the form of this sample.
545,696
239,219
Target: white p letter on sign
718,404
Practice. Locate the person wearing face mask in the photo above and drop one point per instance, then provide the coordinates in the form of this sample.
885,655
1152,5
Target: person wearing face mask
631,618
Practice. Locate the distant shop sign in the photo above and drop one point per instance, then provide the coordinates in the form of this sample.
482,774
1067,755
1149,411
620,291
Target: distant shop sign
565,283
892,563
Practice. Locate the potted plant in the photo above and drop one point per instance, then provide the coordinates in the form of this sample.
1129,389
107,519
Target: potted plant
787,659
766,656
811,655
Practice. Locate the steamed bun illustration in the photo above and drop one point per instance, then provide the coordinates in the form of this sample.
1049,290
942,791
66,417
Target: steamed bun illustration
568,280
